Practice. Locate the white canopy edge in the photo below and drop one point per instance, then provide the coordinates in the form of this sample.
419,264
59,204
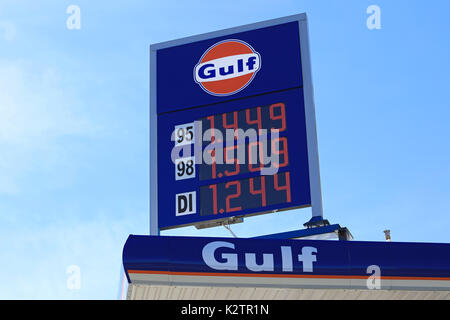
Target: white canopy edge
167,292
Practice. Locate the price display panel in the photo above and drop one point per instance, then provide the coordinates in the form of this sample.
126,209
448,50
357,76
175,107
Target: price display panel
232,136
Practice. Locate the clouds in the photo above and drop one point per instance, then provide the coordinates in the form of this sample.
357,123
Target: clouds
36,259
39,120
36,114
8,31
34,107
73,155
49,134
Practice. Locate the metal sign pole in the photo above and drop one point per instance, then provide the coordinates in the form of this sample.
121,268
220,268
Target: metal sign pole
313,153
153,137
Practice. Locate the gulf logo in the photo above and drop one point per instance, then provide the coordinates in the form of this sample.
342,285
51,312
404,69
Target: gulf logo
227,67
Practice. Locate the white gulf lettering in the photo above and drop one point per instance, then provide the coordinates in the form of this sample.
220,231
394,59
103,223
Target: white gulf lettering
286,259
307,258
231,261
227,67
267,265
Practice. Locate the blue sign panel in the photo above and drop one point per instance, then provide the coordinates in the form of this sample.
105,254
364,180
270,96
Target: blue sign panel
288,263
233,124
278,47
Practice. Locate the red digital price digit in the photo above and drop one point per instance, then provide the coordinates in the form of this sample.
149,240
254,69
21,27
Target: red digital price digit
258,118
281,116
259,155
286,187
213,187
233,196
261,191
213,163
234,125
236,162
283,152
211,120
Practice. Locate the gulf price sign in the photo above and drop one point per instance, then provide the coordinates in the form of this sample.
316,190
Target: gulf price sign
232,125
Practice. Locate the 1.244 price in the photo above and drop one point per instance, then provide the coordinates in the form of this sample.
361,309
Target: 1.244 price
238,195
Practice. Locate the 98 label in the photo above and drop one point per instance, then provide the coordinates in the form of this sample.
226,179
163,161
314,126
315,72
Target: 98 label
184,168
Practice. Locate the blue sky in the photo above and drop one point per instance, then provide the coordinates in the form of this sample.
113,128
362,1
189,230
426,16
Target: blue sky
74,128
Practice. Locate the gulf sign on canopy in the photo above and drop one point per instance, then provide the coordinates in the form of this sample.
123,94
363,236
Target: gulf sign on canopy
209,261
227,67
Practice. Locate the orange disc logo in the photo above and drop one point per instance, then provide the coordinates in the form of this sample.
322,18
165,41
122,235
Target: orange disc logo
227,67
